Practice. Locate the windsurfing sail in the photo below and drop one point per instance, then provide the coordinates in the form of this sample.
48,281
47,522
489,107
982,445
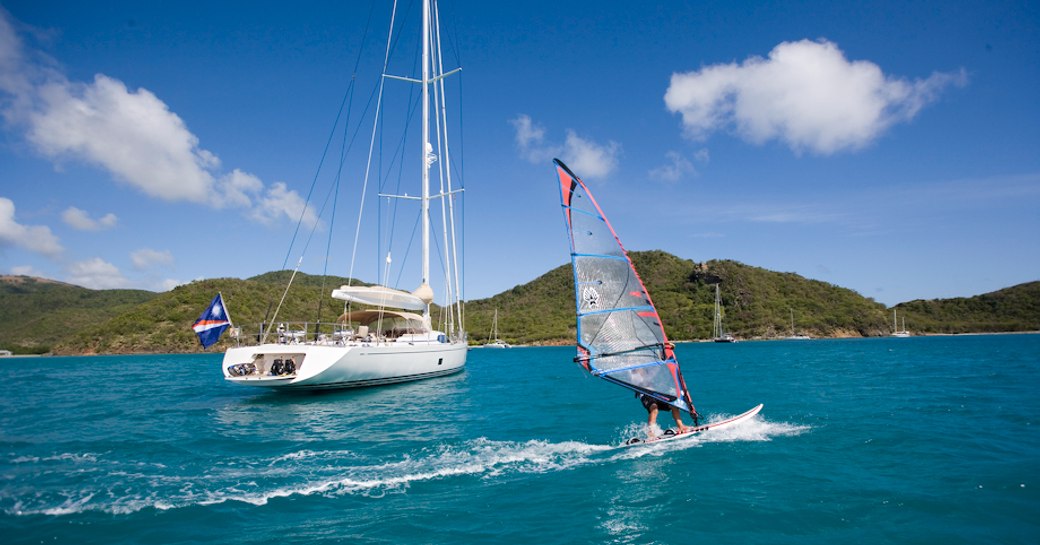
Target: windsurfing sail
620,336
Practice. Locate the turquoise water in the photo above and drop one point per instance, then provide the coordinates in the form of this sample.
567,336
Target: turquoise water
920,440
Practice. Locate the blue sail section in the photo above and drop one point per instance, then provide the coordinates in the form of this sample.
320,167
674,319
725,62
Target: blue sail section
620,336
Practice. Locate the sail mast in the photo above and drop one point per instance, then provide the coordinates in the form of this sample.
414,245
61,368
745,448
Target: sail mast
426,148
620,337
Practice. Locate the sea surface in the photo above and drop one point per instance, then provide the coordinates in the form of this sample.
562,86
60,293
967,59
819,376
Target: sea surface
919,440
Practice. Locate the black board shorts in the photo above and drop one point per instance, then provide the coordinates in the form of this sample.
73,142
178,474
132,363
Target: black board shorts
649,402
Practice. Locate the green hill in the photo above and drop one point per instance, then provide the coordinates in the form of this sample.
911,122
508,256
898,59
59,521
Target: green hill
38,315
163,323
1011,309
757,303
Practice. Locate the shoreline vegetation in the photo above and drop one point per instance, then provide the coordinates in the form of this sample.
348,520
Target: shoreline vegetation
41,316
533,345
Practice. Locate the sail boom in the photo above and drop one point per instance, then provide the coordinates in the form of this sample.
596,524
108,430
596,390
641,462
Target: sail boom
674,400
600,372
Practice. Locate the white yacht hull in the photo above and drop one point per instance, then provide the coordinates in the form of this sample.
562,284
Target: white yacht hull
352,365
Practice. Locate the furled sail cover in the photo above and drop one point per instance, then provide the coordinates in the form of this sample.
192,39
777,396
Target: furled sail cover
380,296
620,336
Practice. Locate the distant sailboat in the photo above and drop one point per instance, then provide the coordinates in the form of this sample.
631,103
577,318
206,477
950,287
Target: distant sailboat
493,340
794,336
895,326
719,334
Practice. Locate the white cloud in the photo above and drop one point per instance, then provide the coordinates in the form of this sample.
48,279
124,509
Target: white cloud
96,274
279,202
528,134
26,270
35,238
239,189
587,158
677,168
806,94
591,159
146,258
132,134
169,283
530,140
80,219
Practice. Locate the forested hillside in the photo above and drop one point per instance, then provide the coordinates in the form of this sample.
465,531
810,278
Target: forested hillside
757,303
39,316
1011,309
36,314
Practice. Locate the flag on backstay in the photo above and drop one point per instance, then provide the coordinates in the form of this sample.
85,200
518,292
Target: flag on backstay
212,323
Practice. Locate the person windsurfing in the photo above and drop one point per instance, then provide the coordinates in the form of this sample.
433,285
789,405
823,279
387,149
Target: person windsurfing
654,405
619,334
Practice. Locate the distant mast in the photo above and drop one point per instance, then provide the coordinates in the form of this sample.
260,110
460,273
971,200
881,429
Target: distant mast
895,326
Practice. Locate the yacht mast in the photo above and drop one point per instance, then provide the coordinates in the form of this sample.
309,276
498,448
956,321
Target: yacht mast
427,149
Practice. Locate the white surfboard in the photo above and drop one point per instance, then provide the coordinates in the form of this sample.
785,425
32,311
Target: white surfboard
670,434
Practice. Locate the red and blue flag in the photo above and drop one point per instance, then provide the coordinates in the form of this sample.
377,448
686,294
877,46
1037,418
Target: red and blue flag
212,323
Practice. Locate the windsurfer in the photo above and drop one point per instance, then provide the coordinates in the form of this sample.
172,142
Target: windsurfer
653,407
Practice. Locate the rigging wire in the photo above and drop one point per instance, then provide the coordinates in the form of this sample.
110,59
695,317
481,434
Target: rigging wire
345,105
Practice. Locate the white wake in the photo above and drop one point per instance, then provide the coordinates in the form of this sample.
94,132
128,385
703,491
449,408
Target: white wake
127,487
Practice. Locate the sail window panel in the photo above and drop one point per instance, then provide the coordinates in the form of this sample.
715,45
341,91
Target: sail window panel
620,332
592,235
605,283
625,360
582,203
658,379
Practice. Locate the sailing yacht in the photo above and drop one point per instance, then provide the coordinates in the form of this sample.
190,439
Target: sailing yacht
719,335
493,340
794,336
384,335
896,332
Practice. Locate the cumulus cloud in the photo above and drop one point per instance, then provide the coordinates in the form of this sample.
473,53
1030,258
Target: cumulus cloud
239,189
678,166
80,219
529,136
592,159
96,274
35,238
587,157
279,202
130,133
25,270
806,95
146,258
168,284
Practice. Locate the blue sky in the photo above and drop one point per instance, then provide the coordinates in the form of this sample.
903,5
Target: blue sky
887,147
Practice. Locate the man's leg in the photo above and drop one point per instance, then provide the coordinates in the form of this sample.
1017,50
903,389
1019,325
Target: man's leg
651,421
678,420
